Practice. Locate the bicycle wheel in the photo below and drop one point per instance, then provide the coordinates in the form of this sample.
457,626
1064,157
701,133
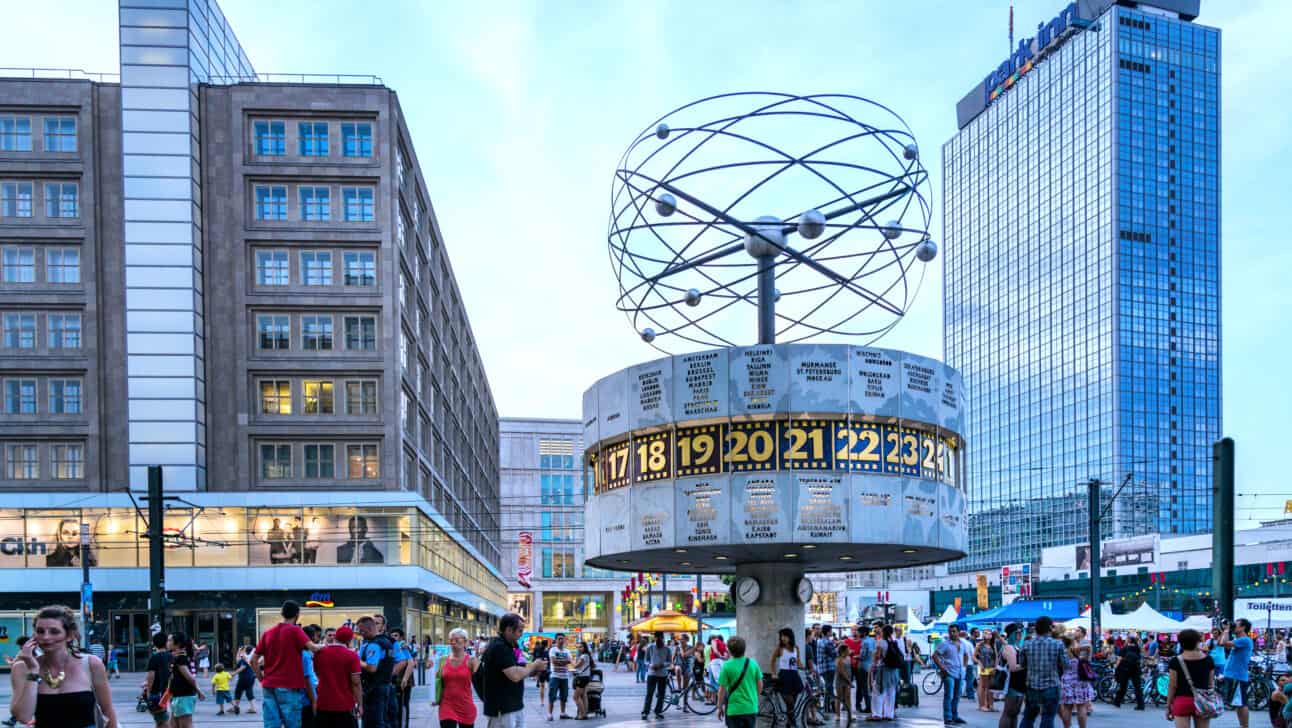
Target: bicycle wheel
1106,689
697,702
931,684
1258,695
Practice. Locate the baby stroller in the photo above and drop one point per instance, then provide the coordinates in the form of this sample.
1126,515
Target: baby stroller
596,686
141,704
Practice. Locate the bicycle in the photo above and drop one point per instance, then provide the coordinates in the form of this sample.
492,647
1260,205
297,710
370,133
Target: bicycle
692,698
931,683
772,708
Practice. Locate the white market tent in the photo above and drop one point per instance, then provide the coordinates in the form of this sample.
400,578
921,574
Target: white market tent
913,623
949,616
1143,619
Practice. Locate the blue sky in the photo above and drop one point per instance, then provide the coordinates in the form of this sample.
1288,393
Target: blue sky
520,110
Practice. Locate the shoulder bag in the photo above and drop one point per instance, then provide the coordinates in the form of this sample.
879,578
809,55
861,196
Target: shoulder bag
736,684
1207,702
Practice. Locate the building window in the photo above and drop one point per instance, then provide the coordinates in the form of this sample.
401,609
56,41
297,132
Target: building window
19,265
361,398
316,268
60,134
399,166
271,138
61,200
358,204
63,265
274,333
408,413
275,397
316,205
68,461
318,397
65,396
275,462
271,203
363,462
313,138
320,461
64,330
404,345
356,140
272,268
22,462
15,134
316,333
20,396
401,233
360,269
20,331
361,333
15,199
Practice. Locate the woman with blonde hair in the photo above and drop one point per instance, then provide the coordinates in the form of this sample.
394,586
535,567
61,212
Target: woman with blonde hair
63,687
453,684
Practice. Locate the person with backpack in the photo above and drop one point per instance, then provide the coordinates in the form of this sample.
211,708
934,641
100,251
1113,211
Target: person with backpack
659,660
1129,673
739,685
885,676
500,680
457,709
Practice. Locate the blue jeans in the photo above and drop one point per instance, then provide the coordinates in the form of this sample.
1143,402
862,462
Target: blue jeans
281,707
641,667
1045,702
952,686
377,703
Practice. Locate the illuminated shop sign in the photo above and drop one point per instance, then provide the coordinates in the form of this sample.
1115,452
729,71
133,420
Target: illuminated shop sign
1029,51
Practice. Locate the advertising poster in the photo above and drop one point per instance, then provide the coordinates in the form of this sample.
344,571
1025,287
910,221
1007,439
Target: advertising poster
525,558
522,604
703,508
981,584
760,380
822,508
652,516
11,628
289,538
650,394
875,504
761,508
1134,551
875,381
819,378
700,386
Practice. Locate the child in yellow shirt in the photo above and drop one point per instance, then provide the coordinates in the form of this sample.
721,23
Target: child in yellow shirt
220,684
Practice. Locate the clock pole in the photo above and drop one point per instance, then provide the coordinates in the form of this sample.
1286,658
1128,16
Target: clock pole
777,606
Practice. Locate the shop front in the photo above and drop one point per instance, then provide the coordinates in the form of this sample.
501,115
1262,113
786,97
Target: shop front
586,613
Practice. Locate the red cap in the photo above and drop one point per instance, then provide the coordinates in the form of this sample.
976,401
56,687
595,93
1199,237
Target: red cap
344,634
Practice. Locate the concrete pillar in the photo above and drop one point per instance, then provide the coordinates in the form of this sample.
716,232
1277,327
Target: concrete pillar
776,608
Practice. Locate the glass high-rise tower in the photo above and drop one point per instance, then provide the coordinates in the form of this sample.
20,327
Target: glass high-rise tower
1082,276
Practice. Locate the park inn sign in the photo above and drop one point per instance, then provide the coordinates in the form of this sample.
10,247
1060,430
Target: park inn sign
1029,51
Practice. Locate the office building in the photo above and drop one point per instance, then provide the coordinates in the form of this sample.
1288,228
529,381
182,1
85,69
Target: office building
239,278
1082,228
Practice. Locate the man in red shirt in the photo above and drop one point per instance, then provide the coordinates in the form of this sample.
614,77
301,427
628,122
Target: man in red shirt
340,695
281,670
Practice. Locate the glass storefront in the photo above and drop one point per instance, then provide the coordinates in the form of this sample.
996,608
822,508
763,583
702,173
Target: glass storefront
245,537
325,618
587,611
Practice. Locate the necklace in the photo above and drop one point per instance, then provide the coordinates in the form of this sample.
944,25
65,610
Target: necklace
52,678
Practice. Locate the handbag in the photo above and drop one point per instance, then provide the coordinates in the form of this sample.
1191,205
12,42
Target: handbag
1207,702
1086,671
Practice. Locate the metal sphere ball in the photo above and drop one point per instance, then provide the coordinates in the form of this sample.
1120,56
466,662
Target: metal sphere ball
648,335
911,152
770,228
811,224
662,131
892,230
693,297
926,250
665,204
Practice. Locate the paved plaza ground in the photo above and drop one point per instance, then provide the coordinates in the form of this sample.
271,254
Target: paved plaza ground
623,700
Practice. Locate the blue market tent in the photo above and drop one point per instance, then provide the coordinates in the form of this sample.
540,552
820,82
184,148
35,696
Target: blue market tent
1029,610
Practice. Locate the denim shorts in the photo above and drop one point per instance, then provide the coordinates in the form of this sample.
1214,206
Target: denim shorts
180,707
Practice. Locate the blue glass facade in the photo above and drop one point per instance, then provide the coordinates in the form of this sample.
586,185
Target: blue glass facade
1081,276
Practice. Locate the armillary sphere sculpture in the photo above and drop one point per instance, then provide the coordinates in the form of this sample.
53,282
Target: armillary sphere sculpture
813,209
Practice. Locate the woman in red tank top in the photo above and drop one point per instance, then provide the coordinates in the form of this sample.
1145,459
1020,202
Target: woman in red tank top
453,691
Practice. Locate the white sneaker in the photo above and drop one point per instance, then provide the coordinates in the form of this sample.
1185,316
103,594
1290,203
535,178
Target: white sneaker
549,717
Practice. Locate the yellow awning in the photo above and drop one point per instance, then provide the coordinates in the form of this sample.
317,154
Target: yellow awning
666,621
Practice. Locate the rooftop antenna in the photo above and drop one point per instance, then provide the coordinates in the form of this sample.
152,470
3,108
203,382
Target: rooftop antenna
1011,28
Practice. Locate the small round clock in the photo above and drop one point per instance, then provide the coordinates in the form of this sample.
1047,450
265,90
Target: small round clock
803,590
746,591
